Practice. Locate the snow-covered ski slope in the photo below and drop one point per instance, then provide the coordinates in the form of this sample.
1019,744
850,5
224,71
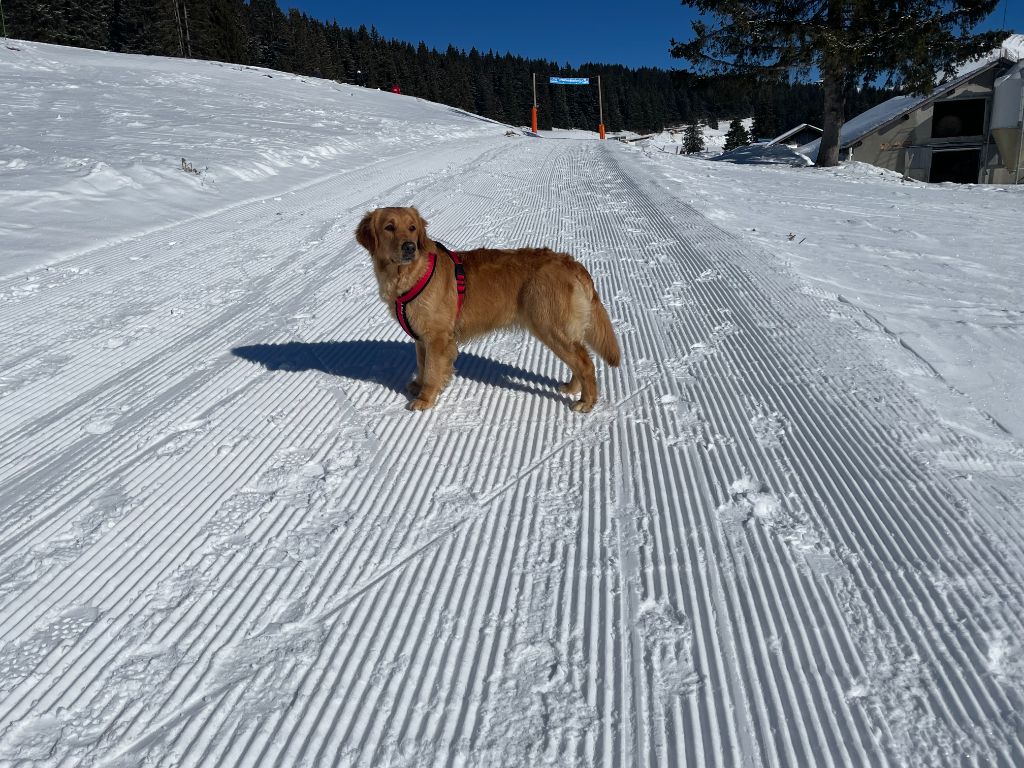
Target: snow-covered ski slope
224,541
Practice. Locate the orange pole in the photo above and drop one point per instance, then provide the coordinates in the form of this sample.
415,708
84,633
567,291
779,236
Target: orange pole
533,111
600,130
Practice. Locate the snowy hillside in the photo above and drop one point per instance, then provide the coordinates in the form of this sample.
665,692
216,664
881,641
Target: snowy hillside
84,135
789,534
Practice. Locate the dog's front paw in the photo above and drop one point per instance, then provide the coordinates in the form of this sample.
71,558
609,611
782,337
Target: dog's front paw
583,407
419,404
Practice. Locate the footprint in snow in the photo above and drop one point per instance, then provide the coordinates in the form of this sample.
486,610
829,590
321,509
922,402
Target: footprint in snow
666,636
104,511
768,426
683,423
709,276
292,477
45,367
19,659
181,436
101,423
267,663
31,740
534,709
786,519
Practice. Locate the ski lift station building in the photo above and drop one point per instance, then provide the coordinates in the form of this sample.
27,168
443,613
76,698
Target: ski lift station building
967,130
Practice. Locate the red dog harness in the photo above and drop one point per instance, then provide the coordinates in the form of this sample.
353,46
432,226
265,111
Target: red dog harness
416,290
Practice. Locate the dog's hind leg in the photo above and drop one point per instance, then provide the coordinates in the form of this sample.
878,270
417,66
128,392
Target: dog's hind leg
584,377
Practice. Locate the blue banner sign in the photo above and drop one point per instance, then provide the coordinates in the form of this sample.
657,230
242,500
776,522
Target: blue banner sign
570,81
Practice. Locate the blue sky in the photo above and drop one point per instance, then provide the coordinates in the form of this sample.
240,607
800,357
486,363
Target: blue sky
634,34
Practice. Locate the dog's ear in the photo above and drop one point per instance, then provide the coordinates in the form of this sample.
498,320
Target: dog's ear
366,232
421,231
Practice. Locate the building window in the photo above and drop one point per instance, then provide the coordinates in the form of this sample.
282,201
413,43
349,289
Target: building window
961,117
959,165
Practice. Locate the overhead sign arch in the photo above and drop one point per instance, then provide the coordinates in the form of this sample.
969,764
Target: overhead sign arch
569,81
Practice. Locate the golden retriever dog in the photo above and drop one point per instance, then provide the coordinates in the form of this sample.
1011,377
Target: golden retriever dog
442,299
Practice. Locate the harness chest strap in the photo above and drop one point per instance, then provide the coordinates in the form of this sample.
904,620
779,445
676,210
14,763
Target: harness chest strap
417,289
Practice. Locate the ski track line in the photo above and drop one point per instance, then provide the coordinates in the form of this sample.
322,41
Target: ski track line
742,556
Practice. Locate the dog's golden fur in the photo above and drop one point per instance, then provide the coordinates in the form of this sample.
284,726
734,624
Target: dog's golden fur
549,294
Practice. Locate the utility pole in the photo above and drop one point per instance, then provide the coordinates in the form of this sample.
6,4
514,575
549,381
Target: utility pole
600,109
3,23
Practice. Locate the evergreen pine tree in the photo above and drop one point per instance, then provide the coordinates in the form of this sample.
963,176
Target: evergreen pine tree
737,136
267,34
224,38
64,22
766,125
131,26
693,139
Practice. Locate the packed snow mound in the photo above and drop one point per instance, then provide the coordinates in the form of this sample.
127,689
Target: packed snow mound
763,153
855,171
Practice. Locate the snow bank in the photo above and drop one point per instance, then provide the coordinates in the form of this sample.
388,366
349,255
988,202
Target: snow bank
949,296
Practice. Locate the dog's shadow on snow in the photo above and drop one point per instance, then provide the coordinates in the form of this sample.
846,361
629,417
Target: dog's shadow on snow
388,363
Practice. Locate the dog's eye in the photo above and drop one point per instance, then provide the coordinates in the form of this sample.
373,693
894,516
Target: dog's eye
390,227
412,228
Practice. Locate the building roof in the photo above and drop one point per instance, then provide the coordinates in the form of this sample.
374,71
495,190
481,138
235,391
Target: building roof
761,153
793,132
858,127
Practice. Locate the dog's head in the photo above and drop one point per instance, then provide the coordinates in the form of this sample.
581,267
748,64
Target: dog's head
393,236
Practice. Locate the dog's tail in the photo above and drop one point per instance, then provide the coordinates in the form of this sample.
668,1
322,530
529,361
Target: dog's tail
600,335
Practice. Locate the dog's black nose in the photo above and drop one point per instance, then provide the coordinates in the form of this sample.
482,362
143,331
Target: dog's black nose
408,249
